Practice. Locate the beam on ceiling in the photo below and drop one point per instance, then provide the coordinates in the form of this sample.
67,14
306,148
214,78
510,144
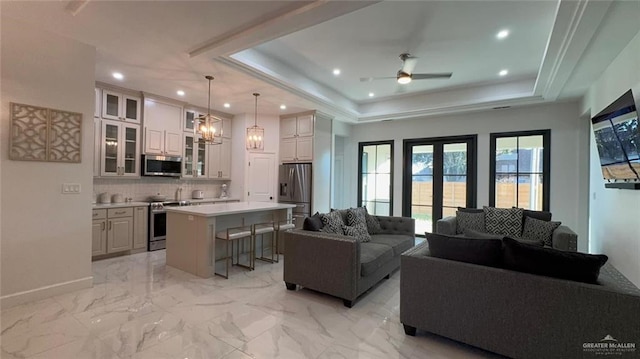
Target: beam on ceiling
302,15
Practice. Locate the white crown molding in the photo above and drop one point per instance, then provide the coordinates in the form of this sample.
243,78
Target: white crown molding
575,24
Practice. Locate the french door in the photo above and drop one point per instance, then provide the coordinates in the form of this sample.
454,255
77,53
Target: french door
439,176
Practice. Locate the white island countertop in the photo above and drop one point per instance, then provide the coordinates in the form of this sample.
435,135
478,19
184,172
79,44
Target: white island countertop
223,209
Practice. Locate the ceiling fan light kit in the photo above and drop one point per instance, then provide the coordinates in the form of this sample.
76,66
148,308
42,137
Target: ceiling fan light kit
405,75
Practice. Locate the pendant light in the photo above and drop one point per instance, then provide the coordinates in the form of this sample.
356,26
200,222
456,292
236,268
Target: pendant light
255,134
210,126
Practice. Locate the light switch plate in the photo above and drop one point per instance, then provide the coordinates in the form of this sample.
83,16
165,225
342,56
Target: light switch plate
71,188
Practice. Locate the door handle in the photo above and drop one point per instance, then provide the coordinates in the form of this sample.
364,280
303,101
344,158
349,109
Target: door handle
110,225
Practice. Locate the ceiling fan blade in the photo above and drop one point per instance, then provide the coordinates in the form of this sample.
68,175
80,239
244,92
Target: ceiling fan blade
409,64
369,79
444,75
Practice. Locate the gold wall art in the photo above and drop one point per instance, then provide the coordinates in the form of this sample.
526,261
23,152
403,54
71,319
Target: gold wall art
43,134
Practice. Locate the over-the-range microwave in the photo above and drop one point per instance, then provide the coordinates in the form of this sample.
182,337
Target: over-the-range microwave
167,166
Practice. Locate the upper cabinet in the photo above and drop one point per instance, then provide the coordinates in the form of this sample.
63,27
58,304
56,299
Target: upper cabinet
121,107
296,138
194,158
162,128
120,149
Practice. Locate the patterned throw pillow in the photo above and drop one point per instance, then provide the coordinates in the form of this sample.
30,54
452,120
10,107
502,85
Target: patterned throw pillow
357,231
467,220
505,221
332,222
373,226
535,229
356,216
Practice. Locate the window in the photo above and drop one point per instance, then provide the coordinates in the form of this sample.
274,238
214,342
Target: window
520,163
375,182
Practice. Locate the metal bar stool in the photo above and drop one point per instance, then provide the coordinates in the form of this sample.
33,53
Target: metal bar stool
260,229
282,226
229,236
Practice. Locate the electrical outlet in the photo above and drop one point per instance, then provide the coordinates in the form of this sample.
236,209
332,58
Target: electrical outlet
71,188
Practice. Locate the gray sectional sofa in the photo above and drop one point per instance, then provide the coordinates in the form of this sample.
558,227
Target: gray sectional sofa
342,266
518,314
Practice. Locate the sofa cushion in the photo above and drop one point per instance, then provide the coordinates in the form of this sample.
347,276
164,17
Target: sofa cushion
373,225
535,229
506,221
373,256
357,231
313,223
478,251
399,242
332,222
541,215
469,220
551,262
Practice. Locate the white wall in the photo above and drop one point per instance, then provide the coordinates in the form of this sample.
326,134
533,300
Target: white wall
322,164
46,236
569,138
614,213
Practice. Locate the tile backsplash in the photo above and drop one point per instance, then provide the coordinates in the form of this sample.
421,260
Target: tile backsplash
143,188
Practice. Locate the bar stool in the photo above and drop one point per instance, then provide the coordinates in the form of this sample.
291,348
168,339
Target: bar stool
260,229
234,234
282,226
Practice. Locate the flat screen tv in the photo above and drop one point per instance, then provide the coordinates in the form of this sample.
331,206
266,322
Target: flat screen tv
618,140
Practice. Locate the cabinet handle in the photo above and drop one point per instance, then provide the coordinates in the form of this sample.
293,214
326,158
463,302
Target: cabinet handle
140,208
103,226
121,212
95,215
110,223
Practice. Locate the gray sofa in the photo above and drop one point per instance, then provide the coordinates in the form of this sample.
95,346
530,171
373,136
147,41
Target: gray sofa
516,314
562,238
340,265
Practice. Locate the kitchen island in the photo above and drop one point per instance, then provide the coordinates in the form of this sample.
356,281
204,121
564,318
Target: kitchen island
191,231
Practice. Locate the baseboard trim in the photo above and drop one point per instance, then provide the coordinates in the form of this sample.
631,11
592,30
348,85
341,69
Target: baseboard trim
33,295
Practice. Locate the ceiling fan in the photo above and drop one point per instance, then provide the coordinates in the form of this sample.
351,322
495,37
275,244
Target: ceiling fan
406,75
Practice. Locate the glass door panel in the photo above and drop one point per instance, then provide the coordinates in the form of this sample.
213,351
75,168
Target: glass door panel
189,120
375,177
131,106
130,150
202,158
111,148
441,180
188,156
111,106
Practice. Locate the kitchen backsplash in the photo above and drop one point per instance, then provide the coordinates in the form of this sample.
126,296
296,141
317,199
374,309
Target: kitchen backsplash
141,189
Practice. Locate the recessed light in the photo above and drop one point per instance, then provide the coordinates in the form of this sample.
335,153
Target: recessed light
117,75
503,72
226,105
336,72
180,93
371,94
502,34
283,107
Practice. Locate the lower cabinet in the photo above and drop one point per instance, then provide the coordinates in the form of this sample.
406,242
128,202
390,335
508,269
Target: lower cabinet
119,229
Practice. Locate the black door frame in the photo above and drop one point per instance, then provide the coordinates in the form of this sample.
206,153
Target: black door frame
361,145
438,143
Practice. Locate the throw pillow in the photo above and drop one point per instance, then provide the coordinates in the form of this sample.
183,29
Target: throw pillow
505,221
469,220
477,251
470,233
535,229
356,216
357,231
541,215
342,212
332,222
531,242
551,262
313,223
373,225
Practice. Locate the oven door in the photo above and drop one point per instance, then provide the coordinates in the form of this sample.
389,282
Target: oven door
158,231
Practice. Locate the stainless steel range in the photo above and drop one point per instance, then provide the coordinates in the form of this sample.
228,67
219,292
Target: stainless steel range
158,223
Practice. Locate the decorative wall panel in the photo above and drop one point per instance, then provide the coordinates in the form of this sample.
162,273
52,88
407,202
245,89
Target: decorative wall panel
42,134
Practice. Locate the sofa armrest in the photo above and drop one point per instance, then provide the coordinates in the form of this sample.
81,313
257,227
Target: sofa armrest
397,225
329,263
446,225
565,239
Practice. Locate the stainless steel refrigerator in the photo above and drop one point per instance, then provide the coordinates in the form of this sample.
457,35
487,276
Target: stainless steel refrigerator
295,188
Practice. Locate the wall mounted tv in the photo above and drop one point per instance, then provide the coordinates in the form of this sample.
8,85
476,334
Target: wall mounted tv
618,140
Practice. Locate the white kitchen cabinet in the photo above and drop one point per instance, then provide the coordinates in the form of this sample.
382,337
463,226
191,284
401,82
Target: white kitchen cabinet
296,149
119,149
119,229
121,107
140,227
162,142
194,158
298,126
99,233
219,159
96,147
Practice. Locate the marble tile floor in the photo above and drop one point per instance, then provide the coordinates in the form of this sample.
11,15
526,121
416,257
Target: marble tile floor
141,308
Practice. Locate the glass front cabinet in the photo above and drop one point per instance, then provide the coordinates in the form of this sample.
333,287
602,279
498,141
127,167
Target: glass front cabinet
120,149
194,158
